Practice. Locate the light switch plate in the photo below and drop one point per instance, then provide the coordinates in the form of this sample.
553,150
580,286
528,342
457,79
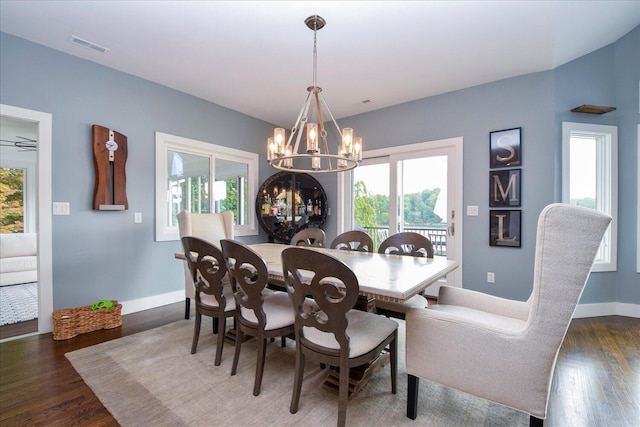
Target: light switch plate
472,210
137,217
61,208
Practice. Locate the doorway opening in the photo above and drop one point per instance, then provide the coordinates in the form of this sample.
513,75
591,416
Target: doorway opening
35,223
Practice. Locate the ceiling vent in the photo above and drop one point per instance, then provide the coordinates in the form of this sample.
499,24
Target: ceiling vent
89,45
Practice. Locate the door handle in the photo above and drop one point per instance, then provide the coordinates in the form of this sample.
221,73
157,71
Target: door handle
452,227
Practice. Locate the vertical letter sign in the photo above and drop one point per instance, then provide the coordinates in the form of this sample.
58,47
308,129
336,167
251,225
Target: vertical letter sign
505,148
504,188
504,228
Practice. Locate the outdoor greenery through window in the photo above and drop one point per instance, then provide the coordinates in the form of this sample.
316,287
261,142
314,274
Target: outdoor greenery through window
590,168
421,205
12,200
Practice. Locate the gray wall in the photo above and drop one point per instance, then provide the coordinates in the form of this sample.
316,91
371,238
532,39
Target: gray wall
105,255
526,102
610,77
626,56
538,103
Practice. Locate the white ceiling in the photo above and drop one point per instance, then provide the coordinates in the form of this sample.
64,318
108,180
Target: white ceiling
256,56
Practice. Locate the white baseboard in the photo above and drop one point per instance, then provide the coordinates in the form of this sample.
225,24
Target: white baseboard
583,310
607,309
141,304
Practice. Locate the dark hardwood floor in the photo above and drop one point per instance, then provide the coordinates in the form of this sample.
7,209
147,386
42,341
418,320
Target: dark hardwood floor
596,382
17,329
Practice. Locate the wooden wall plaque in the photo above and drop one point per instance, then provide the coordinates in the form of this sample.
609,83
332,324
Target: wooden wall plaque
109,159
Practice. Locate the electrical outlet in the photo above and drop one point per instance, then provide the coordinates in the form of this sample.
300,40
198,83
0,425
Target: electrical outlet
491,277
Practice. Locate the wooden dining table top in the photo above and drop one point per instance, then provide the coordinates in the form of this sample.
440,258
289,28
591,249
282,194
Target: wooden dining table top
382,276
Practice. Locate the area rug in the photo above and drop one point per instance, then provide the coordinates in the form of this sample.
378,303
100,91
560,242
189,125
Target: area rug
18,303
152,379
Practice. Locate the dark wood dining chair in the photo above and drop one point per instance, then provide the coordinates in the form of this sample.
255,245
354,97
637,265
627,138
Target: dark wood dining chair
261,313
405,244
212,297
309,237
332,332
354,240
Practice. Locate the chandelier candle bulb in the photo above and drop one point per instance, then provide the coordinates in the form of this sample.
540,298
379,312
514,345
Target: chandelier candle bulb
315,163
347,140
312,139
271,150
288,163
357,148
278,137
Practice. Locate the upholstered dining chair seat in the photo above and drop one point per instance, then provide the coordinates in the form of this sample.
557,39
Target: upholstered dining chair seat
278,309
210,300
372,329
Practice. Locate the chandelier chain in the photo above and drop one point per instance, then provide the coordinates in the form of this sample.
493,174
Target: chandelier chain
315,57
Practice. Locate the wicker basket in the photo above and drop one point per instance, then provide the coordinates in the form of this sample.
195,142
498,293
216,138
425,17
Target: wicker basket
69,322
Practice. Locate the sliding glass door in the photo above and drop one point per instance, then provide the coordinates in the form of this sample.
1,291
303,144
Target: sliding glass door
415,188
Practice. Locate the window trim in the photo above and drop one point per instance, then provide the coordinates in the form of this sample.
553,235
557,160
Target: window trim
166,142
607,164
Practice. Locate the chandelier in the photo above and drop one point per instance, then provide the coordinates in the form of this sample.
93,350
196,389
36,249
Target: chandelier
317,158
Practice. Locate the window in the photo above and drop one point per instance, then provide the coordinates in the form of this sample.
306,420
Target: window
18,194
12,200
202,178
590,179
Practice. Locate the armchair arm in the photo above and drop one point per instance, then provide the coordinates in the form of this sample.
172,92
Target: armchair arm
484,302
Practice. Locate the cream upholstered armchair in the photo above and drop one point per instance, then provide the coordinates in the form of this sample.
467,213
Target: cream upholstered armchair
211,227
502,350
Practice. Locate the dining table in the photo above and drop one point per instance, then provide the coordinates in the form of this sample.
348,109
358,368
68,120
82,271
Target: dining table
386,277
